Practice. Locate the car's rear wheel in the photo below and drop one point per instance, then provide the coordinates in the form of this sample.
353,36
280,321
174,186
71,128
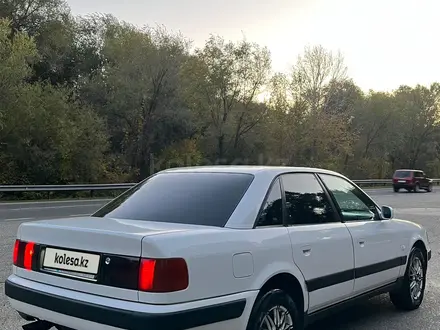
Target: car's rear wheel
275,310
410,295
396,189
417,188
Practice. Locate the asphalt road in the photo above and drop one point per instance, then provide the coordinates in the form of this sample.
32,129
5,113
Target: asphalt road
375,314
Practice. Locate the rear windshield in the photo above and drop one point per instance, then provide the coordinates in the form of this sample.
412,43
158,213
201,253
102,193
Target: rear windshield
190,198
402,174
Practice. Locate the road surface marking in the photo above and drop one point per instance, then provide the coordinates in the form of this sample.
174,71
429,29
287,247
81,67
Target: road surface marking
18,219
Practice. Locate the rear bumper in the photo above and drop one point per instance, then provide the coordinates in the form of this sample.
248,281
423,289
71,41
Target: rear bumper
63,309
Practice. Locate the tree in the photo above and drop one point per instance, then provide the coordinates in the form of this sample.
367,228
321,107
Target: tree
46,137
317,138
221,84
94,99
314,70
419,114
342,97
372,118
137,92
30,15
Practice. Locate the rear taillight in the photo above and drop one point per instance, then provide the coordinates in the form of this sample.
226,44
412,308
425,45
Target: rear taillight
163,275
24,254
28,255
16,252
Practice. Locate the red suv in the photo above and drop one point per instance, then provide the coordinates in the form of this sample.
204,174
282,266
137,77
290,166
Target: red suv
411,180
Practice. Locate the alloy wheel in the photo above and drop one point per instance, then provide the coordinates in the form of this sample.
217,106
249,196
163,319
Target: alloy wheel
416,278
277,318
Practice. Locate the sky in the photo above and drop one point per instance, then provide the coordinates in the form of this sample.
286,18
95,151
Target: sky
385,43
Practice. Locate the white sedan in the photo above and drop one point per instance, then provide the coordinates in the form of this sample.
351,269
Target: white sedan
218,248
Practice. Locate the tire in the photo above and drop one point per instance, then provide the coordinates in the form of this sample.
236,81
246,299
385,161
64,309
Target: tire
402,298
429,188
396,189
417,188
267,305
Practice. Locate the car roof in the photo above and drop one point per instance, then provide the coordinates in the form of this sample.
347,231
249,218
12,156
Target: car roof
247,169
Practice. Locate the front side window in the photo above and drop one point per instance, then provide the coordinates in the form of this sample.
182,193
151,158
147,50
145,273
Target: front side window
354,205
306,202
272,214
196,198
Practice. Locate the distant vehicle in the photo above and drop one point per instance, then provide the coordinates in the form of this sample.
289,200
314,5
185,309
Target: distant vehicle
411,180
218,248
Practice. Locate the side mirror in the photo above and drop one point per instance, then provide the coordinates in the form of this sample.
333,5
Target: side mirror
387,212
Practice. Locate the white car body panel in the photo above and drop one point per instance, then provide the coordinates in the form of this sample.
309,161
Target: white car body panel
120,237
224,263
215,250
322,250
375,242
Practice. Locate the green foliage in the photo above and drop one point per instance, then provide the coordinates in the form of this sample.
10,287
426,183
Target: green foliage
46,137
181,153
93,99
221,84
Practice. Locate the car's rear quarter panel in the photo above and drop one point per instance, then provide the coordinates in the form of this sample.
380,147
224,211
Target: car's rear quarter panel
210,258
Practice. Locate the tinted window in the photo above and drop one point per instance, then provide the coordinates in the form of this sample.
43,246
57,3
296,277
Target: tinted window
273,208
402,174
306,202
190,198
353,203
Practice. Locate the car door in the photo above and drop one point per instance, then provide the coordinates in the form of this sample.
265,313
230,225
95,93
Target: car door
376,245
321,244
418,178
424,180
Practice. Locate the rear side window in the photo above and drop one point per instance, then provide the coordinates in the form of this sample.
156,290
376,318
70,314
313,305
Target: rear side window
306,202
190,198
402,174
272,214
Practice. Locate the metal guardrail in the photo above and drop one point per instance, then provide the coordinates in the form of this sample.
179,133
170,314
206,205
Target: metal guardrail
125,186
383,182
70,187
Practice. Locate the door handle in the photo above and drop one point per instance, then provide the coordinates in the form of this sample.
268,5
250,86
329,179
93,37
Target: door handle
362,243
306,250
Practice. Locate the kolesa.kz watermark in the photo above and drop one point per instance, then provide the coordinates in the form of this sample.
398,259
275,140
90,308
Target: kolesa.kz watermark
70,261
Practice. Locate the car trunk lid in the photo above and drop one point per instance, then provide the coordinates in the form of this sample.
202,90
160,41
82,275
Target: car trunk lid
90,254
108,235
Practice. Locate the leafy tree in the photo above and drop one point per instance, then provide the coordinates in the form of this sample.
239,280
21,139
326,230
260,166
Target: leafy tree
94,99
419,115
222,83
137,92
31,15
46,137
314,70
